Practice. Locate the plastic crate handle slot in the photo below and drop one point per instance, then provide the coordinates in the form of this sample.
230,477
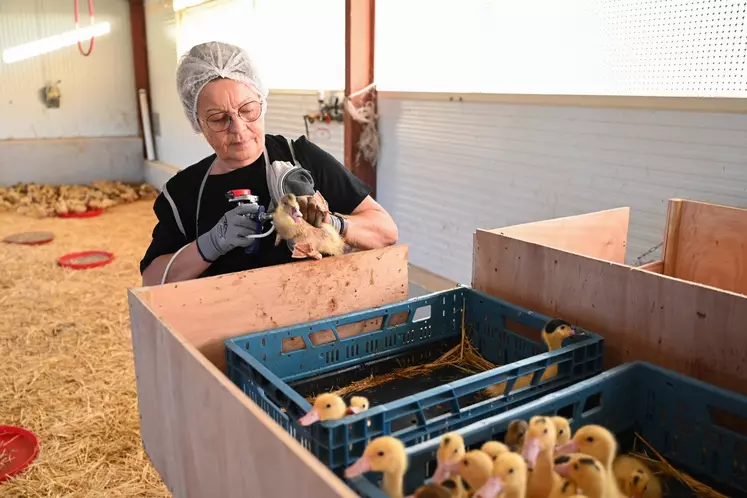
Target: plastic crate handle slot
728,420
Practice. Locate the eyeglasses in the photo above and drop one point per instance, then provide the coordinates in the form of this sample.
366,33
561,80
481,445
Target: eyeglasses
221,121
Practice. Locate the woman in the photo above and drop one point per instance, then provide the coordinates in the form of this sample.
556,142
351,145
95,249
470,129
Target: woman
199,231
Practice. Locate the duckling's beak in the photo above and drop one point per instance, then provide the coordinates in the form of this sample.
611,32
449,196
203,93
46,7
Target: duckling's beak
362,466
562,469
569,447
531,451
444,471
296,214
353,410
492,488
309,418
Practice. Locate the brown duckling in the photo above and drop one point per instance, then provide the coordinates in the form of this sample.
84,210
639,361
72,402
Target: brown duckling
515,433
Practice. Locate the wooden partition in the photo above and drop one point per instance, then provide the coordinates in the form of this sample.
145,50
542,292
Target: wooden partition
203,435
692,328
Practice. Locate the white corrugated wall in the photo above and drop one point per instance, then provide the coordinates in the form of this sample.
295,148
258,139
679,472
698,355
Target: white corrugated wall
448,168
98,92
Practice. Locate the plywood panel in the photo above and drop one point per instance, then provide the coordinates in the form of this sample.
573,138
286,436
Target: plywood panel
203,435
601,235
207,311
710,245
690,328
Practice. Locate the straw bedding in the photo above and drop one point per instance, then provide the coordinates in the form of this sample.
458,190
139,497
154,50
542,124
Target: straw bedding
67,371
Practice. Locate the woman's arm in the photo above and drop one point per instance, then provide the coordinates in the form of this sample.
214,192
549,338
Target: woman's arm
370,226
186,266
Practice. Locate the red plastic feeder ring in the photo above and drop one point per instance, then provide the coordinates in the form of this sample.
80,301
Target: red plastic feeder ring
29,238
85,260
88,214
240,191
18,448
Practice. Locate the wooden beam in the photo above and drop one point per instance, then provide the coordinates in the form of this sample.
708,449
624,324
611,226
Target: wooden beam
359,73
139,57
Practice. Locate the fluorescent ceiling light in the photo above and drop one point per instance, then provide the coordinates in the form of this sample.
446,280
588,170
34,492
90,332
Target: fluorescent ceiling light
56,42
184,4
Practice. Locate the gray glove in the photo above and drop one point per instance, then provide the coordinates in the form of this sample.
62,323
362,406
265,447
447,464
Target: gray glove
230,232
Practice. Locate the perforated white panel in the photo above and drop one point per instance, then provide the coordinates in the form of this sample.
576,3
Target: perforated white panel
573,47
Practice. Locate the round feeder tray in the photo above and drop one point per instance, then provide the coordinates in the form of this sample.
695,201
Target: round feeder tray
29,238
88,214
85,260
18,448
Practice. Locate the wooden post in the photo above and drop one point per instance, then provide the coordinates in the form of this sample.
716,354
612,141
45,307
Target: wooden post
359,73
139,57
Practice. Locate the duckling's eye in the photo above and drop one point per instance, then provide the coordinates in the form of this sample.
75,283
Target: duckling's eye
495,457
545,431
511,470
365,406
456,450
465,463
329,405
575,466
645,488
590,439
561,431
381,453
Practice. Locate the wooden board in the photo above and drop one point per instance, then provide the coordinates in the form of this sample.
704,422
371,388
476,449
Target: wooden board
208,311
687,327
654,266
707,243
203,435
602,235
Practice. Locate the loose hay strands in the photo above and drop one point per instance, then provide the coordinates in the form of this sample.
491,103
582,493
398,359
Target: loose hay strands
661,465
67,371
464,356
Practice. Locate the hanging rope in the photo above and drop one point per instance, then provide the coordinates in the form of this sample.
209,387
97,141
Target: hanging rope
77,26
365,115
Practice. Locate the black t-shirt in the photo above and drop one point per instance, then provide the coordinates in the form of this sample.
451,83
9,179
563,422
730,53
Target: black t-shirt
342,190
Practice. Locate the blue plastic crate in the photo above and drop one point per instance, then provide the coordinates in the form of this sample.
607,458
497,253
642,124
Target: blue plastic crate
697,427
417,409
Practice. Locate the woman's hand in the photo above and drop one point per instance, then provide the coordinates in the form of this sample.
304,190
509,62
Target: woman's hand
314,209
230,232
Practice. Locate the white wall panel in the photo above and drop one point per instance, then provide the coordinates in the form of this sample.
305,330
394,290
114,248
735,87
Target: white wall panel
98,92
448,168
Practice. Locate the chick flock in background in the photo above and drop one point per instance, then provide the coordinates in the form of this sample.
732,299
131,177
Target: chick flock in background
308,240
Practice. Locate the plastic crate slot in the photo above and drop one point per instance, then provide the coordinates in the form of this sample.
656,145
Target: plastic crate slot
422,313
728,420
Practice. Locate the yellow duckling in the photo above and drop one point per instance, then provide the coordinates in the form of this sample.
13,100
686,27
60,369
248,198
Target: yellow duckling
385,454
587,473
539,446
494,448
635,479
358,404
450,453
553,335
563,428
508,478
598,442
515,433
474,469
327,406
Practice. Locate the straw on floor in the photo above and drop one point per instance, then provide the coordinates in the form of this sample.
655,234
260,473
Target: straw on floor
67,370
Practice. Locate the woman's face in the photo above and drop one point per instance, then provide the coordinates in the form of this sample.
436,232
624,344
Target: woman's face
235,140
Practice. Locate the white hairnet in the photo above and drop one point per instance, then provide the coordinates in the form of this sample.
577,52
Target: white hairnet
208,61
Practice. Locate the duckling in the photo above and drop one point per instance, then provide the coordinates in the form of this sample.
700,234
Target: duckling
635,479
515,433
592,440
474,469
309,241
563,428
508,478
494,448
587,473
358,404
385,454
450,453
327,406
553,335
432,491
538,449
